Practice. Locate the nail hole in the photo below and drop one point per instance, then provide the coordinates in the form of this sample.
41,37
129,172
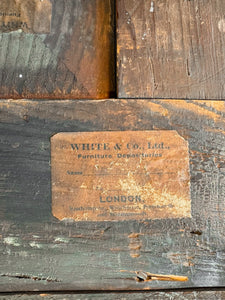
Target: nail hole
198,232
26,118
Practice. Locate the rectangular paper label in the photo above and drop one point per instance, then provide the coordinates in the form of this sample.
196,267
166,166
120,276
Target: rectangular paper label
33,16
130,175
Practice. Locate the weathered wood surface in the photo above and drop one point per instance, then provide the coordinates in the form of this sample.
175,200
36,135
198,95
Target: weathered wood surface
171,49
38,252
75,60
177,295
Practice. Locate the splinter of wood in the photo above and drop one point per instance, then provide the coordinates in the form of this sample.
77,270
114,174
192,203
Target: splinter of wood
145,276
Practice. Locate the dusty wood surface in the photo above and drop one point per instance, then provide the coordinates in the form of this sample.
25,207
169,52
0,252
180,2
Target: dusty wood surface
192,295
75,60
171,49
38,252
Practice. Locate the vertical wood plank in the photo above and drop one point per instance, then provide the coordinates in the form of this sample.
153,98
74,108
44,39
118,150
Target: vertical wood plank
171,49
75,60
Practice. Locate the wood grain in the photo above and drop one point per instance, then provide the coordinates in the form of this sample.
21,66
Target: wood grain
171,49
76,60
40,252
176,295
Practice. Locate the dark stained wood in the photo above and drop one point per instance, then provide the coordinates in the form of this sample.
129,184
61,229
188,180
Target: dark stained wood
177,295
40,252
171,49
75,60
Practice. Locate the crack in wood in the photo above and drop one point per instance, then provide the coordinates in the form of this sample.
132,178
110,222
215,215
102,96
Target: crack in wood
25,276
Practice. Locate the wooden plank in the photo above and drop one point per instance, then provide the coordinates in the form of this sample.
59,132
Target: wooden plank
37,251
171,49
74,60
190,295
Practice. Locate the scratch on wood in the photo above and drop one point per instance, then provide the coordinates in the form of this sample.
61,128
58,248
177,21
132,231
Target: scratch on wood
134,245
181,259
152,7
25,276
134,235
14,241
221,25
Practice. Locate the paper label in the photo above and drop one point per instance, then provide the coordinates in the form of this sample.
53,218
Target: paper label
111,176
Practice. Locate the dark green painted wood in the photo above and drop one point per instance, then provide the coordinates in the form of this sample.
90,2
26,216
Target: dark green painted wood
192,295
75,60
39,252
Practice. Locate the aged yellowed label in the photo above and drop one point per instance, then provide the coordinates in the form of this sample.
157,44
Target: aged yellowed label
32,16
130,175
